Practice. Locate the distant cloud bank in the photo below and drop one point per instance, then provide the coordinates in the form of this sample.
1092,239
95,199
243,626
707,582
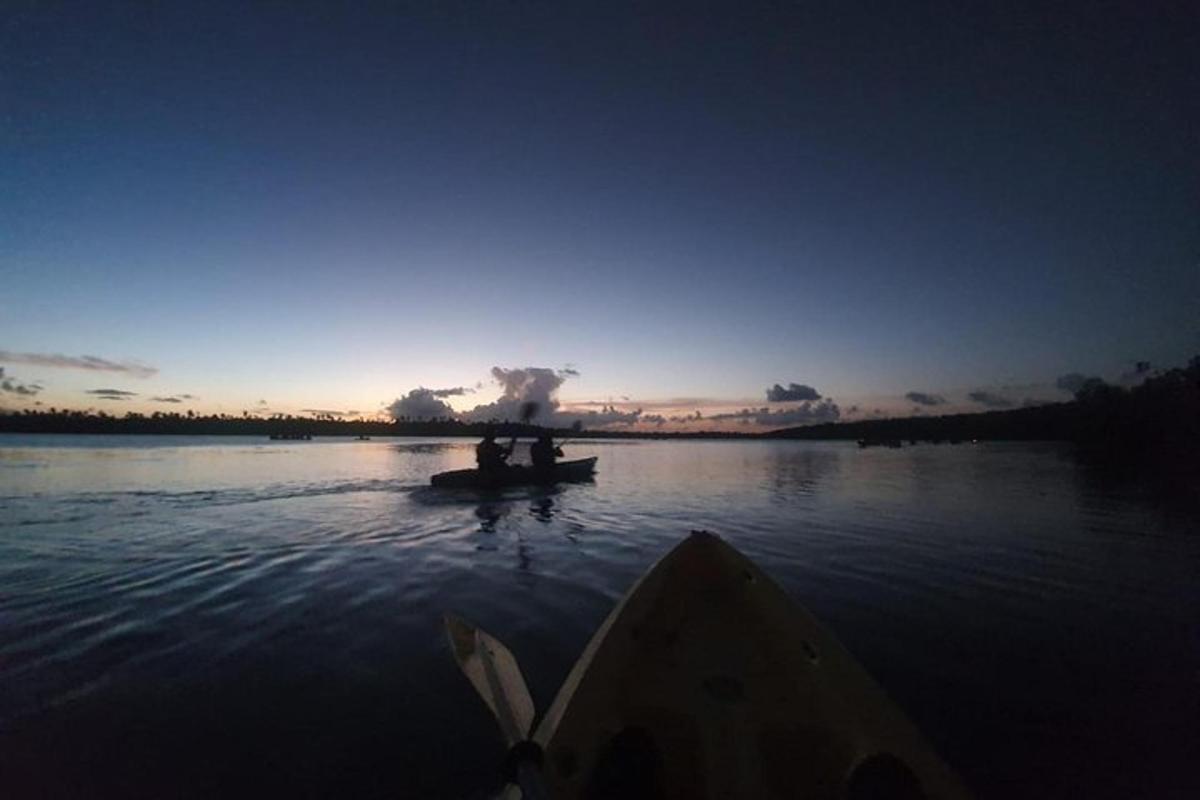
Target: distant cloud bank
92,363
10,385
807,413
925,399
521,386
793,393
989,399
111,394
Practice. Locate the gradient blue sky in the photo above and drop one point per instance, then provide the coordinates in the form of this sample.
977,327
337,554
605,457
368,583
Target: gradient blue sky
325,207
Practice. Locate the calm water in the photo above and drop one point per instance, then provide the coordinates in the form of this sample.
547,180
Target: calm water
194,617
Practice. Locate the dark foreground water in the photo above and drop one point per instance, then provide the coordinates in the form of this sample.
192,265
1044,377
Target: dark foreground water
186,617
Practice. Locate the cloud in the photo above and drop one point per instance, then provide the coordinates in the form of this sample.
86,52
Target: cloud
11,386
111,394
793,392
325,412
989,399
606,415
678,419
925,399
519,386
456,391
261,403
807,413
420,403
166,399
92,363
26,389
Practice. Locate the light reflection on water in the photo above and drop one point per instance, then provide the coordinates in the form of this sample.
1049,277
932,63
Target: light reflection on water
214,616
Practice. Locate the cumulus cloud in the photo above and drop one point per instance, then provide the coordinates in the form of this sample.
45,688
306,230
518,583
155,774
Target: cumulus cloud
807,413
925,399
418,404
519,386
794,392
12,386
92,363
989,399
111,394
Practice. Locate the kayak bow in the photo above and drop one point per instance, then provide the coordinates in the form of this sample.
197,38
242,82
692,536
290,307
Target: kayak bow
708,681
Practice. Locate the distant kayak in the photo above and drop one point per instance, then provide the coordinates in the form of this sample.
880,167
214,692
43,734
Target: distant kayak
517,475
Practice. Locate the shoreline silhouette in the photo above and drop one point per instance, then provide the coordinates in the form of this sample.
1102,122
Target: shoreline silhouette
1158,418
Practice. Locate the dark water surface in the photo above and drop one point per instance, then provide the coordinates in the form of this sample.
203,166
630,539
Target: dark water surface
197,617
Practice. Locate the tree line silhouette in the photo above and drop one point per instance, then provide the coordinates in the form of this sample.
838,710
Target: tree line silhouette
1161,416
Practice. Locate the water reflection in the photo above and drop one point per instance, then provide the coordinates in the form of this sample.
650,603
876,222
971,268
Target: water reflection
791,472
542,509
998,592
429,448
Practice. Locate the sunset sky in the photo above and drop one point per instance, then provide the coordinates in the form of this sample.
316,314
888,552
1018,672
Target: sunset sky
312,207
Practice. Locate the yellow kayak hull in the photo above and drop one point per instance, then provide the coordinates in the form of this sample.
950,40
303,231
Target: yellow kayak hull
708,681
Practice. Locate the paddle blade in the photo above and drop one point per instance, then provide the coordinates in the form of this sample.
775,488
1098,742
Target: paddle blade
494,673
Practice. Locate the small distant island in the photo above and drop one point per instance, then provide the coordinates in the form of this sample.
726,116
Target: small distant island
1159,416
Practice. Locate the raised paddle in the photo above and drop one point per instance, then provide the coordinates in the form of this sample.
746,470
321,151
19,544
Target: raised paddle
494,673
529,410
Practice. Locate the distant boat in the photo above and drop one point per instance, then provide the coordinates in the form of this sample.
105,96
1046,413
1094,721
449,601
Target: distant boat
364,438
517,475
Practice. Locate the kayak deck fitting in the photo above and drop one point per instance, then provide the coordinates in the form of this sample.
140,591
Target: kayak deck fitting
708,681
517,475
